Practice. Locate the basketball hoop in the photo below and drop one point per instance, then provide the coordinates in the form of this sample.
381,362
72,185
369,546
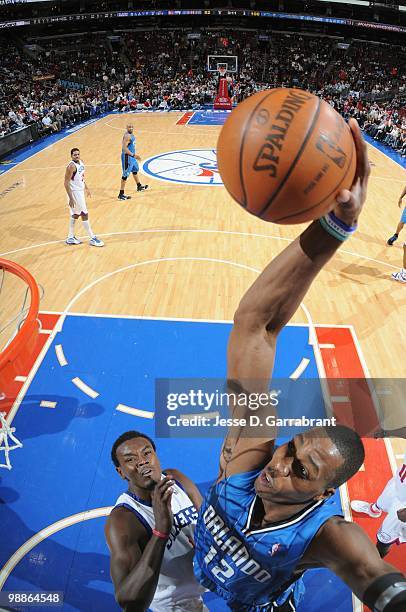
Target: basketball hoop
23,340
15,356
6,433
229,62
222,72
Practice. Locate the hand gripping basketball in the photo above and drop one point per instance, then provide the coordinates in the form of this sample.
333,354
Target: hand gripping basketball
284,155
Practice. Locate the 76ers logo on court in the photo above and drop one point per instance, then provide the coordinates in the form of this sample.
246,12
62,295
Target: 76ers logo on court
191,166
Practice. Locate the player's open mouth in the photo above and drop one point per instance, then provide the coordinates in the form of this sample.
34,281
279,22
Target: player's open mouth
266,478
146,472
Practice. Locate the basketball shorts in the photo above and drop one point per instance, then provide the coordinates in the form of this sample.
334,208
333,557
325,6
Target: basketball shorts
287,601
129,165
392,529
403,217
80,203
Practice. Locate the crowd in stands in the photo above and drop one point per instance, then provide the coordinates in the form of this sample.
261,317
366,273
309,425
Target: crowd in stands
31,93
384,121
59,82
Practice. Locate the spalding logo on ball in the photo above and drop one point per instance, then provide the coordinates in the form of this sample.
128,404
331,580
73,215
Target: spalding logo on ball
284,155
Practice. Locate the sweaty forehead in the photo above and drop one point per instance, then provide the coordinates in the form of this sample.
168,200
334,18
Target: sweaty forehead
134,445
320,448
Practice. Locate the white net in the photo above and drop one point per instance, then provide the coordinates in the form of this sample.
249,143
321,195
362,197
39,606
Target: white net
15,301
8,441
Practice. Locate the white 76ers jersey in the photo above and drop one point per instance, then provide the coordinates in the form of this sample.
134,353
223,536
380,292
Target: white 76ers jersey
400,480
391,500
77,182
176,583
395,489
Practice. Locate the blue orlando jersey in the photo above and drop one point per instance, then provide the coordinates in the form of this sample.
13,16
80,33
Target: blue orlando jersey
252,568
128,163
131,144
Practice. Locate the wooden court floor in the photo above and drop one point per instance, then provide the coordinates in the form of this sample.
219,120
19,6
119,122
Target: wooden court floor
197,250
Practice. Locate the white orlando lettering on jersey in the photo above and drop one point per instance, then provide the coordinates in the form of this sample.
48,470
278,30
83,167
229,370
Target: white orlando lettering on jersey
230,545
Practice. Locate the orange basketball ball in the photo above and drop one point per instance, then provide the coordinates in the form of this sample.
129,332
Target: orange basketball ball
284,155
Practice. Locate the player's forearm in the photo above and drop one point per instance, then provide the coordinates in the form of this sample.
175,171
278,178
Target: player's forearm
346,550
275,296
137,590
67,188
385,592
271,302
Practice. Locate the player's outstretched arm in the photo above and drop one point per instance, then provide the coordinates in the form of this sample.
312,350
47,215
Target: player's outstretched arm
273,299
135,570
345,548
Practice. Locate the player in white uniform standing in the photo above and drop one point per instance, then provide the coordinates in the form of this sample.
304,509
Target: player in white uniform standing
150,532
392,500
76,188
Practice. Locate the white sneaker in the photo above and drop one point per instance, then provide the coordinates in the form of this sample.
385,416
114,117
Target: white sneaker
96,242
399,276
73,240
365,508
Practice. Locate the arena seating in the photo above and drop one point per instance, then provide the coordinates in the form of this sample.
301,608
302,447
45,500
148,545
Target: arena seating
64,80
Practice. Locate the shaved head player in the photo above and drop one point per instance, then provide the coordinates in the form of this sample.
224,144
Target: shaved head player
129,162
271,514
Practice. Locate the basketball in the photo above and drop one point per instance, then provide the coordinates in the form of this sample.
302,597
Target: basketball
284,155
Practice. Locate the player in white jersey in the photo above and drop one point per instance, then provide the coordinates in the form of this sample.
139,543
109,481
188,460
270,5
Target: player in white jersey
392,500
76,188
150,532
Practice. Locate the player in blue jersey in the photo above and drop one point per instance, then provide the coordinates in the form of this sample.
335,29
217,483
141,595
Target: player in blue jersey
271,514
402,221
129,162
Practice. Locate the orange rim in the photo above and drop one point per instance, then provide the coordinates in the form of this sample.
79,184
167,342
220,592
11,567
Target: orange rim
30,324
